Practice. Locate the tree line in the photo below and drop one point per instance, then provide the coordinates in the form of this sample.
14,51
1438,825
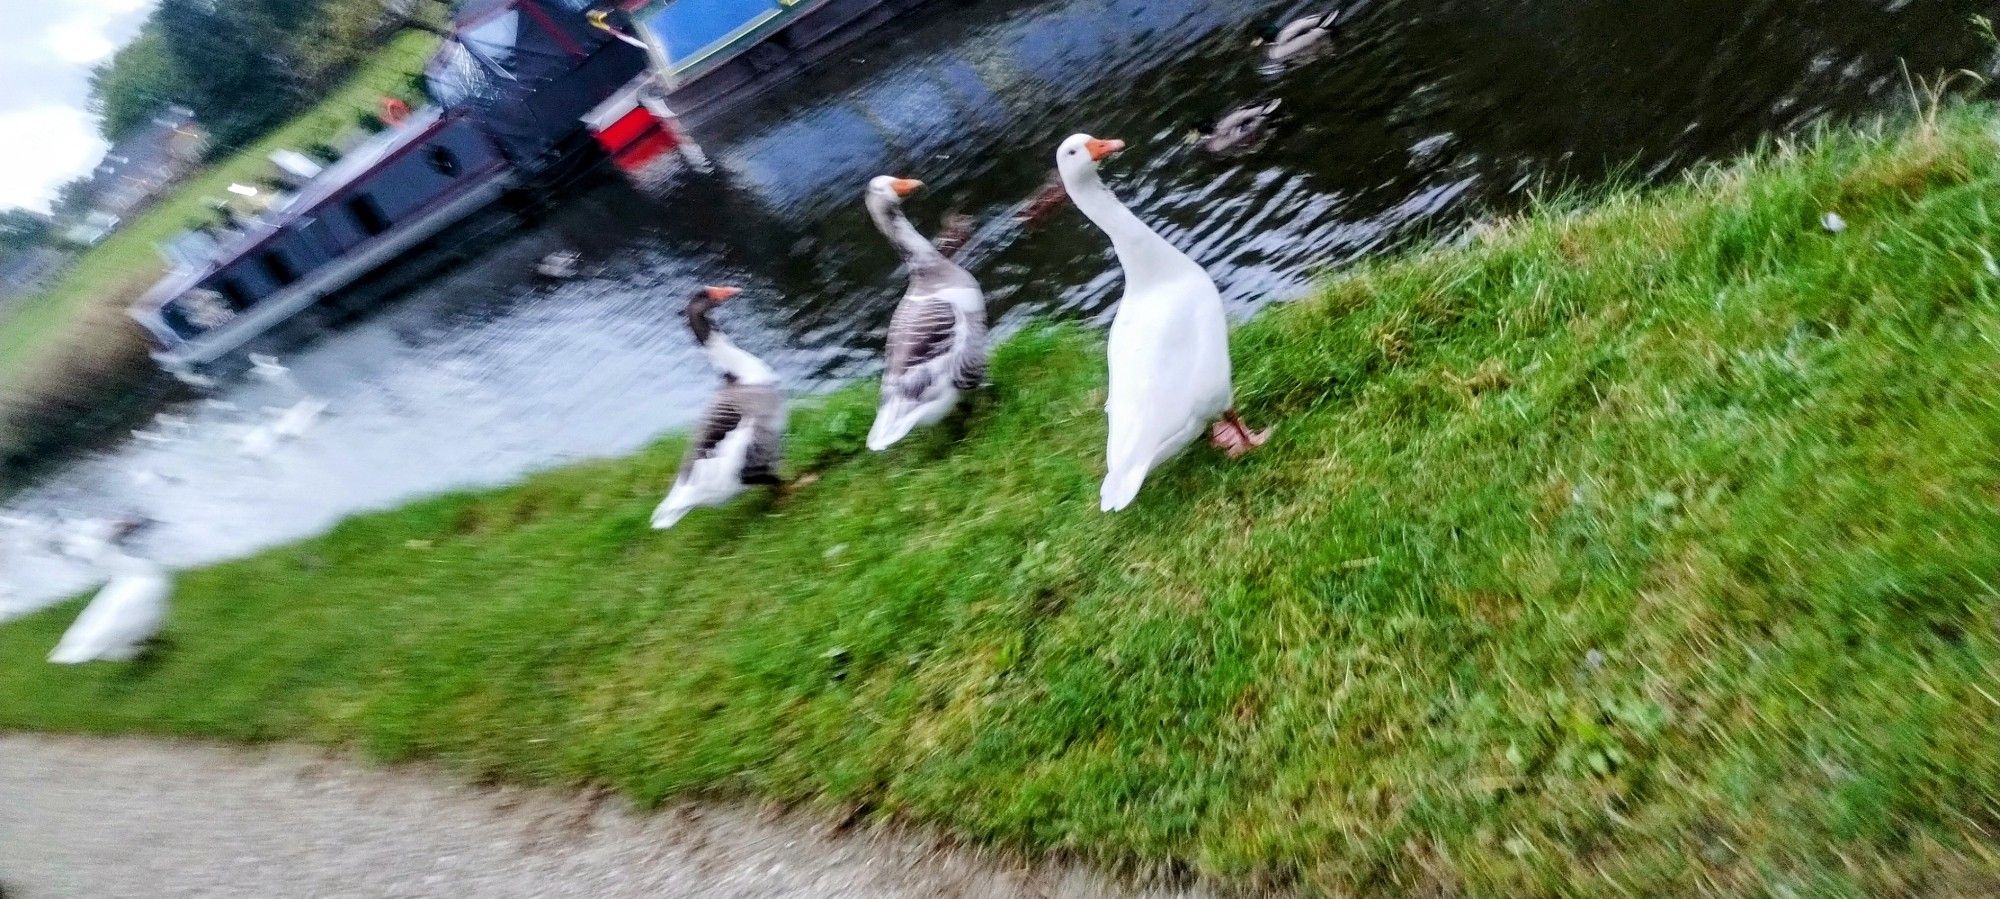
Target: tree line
243,66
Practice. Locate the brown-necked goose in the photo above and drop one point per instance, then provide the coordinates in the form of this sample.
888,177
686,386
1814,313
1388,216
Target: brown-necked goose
739,440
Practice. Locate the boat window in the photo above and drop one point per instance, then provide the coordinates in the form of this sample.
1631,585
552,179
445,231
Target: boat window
233,294
444,161
367,214
692,31
278,267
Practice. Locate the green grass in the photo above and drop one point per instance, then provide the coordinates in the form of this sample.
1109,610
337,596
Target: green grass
1644,549
71,315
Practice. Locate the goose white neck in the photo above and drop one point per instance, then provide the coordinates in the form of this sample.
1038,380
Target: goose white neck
737,362
1146,256
896,226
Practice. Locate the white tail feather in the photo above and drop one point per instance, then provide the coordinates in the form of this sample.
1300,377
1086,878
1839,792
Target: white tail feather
1121,487
1126,467
893,422
897,417
668,514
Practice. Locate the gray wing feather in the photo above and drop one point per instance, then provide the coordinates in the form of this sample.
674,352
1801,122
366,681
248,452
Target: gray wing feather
972,359
932,342
758,405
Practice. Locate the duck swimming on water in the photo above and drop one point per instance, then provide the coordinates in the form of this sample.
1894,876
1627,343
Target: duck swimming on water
1239,130
1297,41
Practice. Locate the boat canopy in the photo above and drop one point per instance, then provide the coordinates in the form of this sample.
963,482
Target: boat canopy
530,68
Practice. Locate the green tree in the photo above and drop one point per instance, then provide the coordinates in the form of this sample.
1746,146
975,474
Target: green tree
21,229
73,199
232,58
241,65
135,85
338,37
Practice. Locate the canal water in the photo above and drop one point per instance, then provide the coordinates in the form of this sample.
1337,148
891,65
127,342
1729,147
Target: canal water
1430,113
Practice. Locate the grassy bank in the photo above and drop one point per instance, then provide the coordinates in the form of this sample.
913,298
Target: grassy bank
59,348
1647,549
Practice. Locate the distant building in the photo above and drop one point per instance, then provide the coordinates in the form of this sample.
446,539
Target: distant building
137,169
24,271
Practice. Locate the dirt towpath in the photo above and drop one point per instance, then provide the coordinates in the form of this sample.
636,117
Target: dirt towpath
118,818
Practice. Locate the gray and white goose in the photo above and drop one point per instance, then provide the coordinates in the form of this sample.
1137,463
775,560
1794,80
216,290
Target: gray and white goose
739,440
937,338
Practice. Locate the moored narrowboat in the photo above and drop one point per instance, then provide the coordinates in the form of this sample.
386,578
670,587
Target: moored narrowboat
510,87
525,94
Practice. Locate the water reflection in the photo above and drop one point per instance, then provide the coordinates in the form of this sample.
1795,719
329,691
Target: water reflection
1427,111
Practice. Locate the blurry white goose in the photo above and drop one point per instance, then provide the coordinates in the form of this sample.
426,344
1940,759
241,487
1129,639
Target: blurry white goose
560,265
124,616
1298,41
1237,131
148,477
26,534
299,418
193,379
739,439
287,424
257,441
93,540
937,338
1169,352
166,428
269,369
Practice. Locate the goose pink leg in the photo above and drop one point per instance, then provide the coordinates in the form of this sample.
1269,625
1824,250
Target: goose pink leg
1235,438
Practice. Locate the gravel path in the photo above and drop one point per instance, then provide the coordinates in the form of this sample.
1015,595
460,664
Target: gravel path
117,818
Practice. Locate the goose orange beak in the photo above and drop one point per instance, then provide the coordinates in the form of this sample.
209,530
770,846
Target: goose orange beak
905,186
1099,149
719,294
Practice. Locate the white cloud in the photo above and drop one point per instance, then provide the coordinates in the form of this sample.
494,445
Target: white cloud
81,41
46,52
91,30
40,148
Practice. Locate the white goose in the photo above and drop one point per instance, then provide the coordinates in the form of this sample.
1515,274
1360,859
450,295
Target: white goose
738,441
124,616
1169,353
937,338
287,424
269,369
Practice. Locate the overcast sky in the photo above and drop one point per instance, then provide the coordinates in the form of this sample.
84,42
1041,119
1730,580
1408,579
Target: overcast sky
47,48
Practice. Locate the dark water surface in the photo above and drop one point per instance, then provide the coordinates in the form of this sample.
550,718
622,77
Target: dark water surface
1431,112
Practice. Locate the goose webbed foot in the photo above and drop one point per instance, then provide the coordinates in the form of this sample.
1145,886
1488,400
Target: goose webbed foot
1235,438
782,490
